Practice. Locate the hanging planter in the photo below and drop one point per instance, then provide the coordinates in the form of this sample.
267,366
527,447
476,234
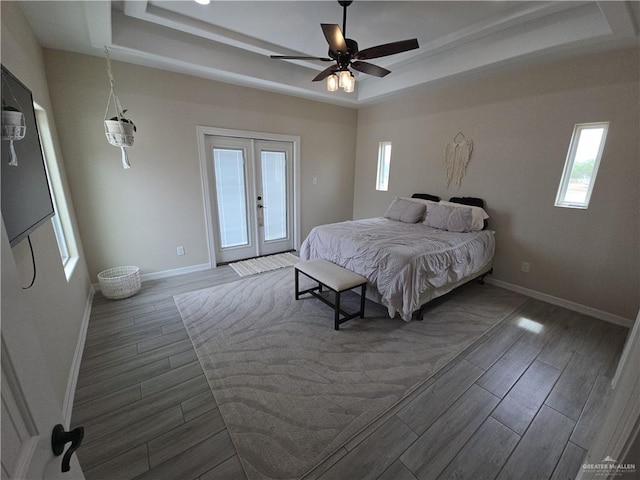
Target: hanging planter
13,129
118,129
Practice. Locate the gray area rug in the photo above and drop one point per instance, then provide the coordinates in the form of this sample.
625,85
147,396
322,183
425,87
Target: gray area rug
292,390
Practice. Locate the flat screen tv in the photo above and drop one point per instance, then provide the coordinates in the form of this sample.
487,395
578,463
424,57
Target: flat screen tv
26,198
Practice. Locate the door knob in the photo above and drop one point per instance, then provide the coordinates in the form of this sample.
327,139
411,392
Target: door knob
60,438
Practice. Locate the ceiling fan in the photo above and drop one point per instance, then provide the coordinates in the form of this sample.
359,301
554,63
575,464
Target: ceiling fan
344,52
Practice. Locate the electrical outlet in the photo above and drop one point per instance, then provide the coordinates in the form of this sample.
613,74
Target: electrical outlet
315,180
180,250
524,267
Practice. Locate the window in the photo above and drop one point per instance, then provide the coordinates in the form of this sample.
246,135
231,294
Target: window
581,166
61,221
59,232
384,160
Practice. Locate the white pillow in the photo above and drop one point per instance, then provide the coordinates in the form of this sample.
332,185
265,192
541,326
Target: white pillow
405,211
477,213
446,217
421,201
418,200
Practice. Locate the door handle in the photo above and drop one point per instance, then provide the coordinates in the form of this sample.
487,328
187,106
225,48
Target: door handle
261,206
60,437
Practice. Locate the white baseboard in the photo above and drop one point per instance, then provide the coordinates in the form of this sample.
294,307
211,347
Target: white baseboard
167,273
67,408
175,272
560,302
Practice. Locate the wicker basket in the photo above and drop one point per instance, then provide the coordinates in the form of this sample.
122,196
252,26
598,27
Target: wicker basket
119,282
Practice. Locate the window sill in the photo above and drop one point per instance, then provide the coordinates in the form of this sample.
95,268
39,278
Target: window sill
70,266
568,205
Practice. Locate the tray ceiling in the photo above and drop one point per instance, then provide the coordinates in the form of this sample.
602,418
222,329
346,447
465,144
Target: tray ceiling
231,41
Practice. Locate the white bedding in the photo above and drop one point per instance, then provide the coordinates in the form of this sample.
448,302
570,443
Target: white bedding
401,260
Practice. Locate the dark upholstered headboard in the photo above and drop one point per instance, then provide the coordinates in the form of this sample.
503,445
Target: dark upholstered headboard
472,201
426,196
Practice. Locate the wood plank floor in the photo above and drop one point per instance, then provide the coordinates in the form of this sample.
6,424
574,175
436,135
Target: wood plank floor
523,402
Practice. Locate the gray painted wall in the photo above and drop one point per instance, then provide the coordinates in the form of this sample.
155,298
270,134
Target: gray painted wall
139,216
56,304
521,123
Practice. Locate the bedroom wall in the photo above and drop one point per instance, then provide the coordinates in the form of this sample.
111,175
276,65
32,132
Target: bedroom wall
521,123
57,305
139,216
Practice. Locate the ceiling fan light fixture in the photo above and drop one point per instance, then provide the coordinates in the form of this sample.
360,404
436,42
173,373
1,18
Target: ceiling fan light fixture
346,54
332,82
348,82
344,77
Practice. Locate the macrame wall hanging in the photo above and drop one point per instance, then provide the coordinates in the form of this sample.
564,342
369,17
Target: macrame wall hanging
118,129
456,158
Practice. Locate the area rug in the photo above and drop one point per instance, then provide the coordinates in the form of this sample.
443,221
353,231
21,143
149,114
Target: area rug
264,264
292,390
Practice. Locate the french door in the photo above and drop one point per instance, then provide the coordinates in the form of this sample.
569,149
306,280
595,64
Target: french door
252,196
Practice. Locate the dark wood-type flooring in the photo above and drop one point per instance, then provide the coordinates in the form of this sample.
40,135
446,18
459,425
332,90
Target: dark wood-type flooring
522,403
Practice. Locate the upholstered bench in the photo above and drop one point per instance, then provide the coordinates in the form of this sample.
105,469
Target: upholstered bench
335,278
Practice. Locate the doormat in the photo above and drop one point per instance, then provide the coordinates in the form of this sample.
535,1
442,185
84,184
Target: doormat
264,264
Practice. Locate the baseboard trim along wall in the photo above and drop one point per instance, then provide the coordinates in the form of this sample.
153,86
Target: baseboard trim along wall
67,408
560,302
167,273
175,272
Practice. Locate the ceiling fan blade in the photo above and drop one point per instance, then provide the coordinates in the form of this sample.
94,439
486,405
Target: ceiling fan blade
370,69
334,37
325,73
387,49
294,57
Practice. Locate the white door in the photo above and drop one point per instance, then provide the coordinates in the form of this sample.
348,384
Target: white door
252,184
29,410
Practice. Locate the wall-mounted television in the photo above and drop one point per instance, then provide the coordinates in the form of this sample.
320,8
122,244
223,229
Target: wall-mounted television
26,198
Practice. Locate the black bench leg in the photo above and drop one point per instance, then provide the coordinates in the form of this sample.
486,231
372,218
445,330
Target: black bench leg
296,282
364,286
336,321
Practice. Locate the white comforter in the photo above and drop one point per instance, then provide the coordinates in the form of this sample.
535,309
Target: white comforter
401,260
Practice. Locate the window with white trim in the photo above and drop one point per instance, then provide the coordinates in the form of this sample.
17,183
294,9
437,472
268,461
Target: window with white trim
61,221
581,165
384,162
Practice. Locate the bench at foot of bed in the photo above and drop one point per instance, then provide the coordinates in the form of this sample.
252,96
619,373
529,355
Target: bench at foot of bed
335,278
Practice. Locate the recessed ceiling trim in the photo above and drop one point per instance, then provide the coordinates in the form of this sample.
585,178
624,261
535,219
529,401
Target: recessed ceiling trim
233,42
536,38
166,48
494,25
142,10
620,17
98,15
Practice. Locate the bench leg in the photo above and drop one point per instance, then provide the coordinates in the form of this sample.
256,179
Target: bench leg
336,321
296,281
364,286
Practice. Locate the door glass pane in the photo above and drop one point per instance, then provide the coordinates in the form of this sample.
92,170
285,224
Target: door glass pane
274,194
231,196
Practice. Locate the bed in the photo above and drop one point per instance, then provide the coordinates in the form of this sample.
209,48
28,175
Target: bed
421,249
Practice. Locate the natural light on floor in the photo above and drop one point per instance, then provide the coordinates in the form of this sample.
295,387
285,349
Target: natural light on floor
530,325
